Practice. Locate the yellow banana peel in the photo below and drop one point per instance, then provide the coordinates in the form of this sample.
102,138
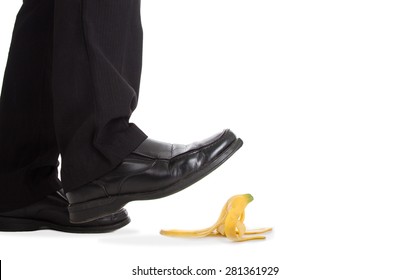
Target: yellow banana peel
230,223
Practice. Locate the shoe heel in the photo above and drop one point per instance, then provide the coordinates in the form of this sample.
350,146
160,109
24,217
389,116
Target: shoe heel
15,224
92,210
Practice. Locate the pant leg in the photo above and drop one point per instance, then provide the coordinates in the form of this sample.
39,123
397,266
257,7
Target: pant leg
28,146
97,64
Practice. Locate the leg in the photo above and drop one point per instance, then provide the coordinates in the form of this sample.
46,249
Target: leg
96,74
107,162
28,147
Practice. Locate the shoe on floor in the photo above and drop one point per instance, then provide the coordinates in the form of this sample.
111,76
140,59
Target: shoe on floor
52,213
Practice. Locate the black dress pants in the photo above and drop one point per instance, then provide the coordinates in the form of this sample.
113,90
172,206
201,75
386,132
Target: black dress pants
70,86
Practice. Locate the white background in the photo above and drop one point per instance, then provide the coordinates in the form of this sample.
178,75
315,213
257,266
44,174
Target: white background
318,91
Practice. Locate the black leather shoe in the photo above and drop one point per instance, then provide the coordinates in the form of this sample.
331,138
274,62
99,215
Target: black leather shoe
52,213
154,170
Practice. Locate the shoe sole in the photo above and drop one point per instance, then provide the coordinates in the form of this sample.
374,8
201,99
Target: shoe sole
17,224
91,210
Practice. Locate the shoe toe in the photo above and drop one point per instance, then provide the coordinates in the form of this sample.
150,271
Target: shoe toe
199,154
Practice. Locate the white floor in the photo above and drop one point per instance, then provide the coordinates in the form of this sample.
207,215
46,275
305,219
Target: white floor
318,91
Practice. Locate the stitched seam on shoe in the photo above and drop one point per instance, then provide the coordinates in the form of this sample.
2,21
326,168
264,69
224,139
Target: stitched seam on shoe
202,148
186,153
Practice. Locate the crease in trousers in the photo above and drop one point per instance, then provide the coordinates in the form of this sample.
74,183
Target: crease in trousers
70,86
